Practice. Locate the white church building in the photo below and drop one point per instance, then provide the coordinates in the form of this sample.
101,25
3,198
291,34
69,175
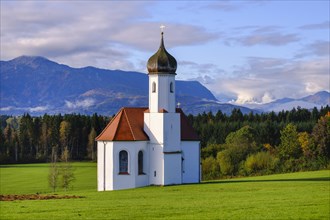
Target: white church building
150,146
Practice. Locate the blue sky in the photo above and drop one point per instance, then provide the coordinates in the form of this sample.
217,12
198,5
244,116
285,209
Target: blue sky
243,51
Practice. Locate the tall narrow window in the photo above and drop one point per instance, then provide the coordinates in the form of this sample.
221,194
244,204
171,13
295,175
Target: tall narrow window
171,87
123,162
153,87
140,162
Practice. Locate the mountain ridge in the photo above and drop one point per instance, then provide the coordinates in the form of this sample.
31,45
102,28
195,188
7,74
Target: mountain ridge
318,99
38,85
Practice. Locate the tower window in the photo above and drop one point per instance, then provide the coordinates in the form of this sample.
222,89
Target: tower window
153,87
123,162
140,163
171,87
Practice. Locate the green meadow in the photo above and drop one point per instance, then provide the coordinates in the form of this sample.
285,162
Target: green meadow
304,195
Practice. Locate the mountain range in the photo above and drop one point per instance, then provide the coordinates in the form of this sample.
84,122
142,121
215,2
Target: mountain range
317,100
37,85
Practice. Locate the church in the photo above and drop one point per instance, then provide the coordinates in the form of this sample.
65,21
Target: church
154,145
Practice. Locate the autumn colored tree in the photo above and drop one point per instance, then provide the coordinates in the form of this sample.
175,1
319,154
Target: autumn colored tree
321,137
307,145
91,145
65,130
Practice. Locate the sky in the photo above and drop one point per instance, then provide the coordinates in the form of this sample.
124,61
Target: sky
245,52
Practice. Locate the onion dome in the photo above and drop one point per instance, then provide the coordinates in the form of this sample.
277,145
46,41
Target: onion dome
162,61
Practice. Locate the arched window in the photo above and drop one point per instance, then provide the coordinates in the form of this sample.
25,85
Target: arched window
171,87
153,87
123,162
140,163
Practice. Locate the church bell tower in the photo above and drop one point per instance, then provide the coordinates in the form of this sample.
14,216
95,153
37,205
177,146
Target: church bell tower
161,67
161,122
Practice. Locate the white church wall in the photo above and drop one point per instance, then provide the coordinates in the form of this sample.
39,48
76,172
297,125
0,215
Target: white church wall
109,166
172,169
160,95
142,179
104,165
154,127
126,181
156,164
100,167
172,132
123,181
153,93
191,162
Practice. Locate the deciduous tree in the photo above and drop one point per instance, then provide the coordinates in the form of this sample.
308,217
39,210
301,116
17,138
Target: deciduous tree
53,175
66,170
289,146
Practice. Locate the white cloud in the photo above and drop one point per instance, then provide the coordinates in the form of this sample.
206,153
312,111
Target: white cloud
27,109
86,103
262,82
8,108
194,69
88,34
37,109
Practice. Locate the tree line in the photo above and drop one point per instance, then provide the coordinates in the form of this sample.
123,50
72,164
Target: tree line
256,144
25,139
232,145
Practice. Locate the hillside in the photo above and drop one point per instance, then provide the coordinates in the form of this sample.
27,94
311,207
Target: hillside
38,85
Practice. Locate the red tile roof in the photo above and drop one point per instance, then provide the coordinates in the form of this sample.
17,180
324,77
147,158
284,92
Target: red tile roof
127,125
187,131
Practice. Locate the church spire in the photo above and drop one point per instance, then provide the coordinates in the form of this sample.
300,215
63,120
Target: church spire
162,61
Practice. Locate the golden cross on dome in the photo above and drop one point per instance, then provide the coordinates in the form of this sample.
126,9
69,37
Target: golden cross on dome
162,28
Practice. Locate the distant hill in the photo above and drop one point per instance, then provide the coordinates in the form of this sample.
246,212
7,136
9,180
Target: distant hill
317,100
37,85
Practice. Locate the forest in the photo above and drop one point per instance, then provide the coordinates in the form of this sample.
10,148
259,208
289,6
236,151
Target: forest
231,145
26,139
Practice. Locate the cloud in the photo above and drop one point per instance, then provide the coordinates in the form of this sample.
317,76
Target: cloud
261,35
274,39
323,25
103,34
38,109
27,109
318,48
265,79
223,6
143,35
208,68
86,103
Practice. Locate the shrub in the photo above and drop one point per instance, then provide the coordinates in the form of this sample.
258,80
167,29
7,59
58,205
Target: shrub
225,162
210,168
261,163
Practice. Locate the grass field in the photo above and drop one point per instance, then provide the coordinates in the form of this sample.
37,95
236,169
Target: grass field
303,195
